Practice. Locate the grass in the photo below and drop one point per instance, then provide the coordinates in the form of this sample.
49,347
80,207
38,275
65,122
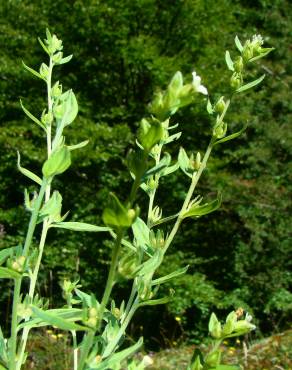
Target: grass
50,350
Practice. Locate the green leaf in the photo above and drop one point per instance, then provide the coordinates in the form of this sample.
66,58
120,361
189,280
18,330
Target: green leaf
32,117
172,138
229,61
251,84
6,273
210,109
6,253
151,264
141,232
264,52
28,173
70,109
170,276
66,59
201,210
184,162
225,367
165,161
43,45
79,226
154,302
231,137
170,169
33,71
150,133
55,320
238,43
78,146
118,357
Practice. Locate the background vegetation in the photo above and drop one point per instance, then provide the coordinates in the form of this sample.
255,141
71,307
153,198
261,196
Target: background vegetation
123,50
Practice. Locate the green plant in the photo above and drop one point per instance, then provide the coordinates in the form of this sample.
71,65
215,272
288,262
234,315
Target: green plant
104,323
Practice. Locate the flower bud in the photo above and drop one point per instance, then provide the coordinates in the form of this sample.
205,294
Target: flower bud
44,70
197,364
220,105
47,118
235,81
56,90
220,130
213,358
197,163
247,52
238,65
18,264
57,163
57,57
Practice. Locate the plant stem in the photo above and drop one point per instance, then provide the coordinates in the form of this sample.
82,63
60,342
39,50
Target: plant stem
85,349
195,179
16,294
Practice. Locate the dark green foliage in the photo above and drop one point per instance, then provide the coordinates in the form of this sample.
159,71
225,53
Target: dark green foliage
122,51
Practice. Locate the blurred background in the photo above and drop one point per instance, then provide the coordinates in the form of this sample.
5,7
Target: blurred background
240,256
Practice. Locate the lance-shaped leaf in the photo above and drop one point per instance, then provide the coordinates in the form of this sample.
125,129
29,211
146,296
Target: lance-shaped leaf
150,133
165,161
28,173
263,53
170,276
184,162
172,138
33,71
225,367
141,232
154,302
231,137
78,146
150,265
170,169
70,107
55,320
32,117
6,273
209,107
80,226
238,43
200,210
251,84
116,358
43,45
229,61
66,59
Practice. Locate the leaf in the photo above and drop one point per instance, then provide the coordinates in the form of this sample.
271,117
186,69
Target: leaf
264,52
78,146
172,138
165,161
229,61
116,215
251,84
118,357
231,137
225,367
238,43
150,265
32,117
198,210
6,273
66,59
154,302
33,71
28,173
170,276
210,109
43,46
141,232
56,320
184,162
71,108
5,253
79,226
170,169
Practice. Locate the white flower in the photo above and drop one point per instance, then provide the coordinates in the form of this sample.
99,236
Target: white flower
147,361
197,84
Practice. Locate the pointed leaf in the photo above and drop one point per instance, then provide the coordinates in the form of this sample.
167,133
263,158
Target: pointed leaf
79,226
184,162
32,117
33,71
229,61
118,357
165,161
225,367
201,210
170,276
43,46
155,302
172,138
6,273
238,43
264,52
210,109
231,137
28,173
78,146
251,84
116,215
141,232
56,320
170,169
66,59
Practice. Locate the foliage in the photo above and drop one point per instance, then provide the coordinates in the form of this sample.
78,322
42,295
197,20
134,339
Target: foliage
122,50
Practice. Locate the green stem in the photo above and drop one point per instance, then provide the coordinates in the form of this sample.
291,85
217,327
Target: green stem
88,341
13,339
